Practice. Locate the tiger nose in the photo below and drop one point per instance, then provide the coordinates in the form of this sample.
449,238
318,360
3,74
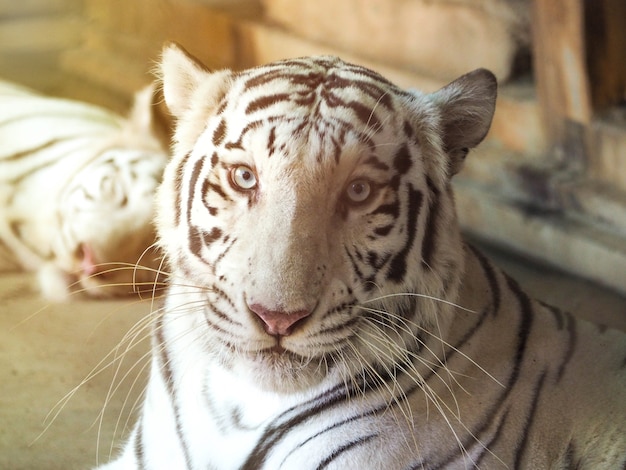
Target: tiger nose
277,322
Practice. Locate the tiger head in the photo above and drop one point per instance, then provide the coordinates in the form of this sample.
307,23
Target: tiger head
307,213
107,236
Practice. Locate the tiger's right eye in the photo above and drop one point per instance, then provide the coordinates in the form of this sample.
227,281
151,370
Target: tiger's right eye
243,178
359,191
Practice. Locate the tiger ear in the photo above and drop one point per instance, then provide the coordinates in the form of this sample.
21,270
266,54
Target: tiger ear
141,115
182,75
466,109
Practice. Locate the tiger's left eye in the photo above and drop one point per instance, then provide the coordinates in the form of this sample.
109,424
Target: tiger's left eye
243,178
358,191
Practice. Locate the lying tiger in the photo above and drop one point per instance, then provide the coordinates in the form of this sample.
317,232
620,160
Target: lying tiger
323,310
77,184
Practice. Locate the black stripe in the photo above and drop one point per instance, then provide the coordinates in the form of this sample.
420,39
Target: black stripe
265,102
358,70
471,439
266,76
376,163
271,141
398,265
526,312
571,344
338,424
179,178
431,233
164,364
285,71
355,268
51,160
219,133
490,274
486,446
377,93
194,239
523,331
570,459
299,414
210,237
402,161
140,456
284,423
556,313
343,449
251,126
522,447
383,231
224,251
363,112
392,209
30,151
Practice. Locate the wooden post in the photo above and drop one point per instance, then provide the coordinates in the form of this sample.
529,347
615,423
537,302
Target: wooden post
563,85
605,29
580,71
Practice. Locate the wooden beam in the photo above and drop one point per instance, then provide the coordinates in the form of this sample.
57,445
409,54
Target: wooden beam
563,85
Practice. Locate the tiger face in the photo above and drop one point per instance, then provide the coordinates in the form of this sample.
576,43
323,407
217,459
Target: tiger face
307,214
107,211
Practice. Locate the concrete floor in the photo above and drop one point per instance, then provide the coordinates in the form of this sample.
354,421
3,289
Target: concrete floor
48,350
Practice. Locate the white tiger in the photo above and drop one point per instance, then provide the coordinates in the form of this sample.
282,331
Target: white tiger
323,311
76,189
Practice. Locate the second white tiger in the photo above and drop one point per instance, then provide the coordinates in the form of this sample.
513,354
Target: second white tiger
76,189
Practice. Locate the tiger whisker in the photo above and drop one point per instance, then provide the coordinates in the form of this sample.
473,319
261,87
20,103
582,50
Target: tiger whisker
408,354
390,358
111,392
156,278
441,403
439,338
429,392
144,253
100,367
423,296
148,322
28,318
404,327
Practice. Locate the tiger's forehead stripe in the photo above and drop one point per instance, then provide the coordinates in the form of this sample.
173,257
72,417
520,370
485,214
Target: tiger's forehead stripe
318,94
264,102
303,82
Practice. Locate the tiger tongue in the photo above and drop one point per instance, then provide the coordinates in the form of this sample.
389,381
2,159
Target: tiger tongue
88,263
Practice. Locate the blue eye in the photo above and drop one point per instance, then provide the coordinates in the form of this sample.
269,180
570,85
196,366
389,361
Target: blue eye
359,190
243,178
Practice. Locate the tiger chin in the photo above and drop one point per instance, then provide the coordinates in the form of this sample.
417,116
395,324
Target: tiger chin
323,311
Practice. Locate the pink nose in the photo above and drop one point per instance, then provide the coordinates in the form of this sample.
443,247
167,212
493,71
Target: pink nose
278,322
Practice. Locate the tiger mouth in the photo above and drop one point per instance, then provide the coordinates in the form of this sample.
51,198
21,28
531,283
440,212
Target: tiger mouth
276,349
